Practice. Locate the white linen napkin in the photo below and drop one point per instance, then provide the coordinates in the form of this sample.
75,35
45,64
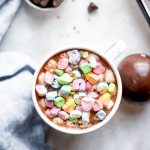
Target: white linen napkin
20,126
8,9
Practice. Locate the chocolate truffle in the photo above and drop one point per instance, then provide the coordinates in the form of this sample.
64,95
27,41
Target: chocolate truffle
135,75
92,7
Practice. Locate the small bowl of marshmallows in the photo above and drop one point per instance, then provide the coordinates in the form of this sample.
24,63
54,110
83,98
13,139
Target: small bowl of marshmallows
44,5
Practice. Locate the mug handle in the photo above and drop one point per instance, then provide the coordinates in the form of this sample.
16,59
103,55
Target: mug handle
115,50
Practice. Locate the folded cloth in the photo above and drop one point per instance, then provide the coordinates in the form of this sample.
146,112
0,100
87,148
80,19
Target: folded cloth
8,9
20,126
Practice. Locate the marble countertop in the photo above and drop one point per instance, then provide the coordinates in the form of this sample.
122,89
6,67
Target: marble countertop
37,33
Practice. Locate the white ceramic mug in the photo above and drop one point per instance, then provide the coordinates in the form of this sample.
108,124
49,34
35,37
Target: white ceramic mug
113,52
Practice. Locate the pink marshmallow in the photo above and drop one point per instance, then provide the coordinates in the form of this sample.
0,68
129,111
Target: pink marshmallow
63,115
41,90
49,104
97,105
48,78
48,113
41,78
99,69
63,63
78,85
79,108
87,103
92,95
54,111
88,86
68,70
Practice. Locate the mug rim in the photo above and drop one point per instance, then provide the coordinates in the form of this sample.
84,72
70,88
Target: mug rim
70,130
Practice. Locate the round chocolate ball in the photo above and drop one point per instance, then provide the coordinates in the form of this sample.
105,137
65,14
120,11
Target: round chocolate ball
135,74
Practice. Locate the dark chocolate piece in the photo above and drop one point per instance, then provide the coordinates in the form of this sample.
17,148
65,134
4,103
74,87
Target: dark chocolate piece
92,7
47,3
135,75
44,3
56,3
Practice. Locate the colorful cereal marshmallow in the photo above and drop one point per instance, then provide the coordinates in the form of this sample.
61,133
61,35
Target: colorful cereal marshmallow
70,105
41,78
111,88
42,104
109,76
48,113
52,64
63,115
68,70
59,72
105,98
101,77
55,83
92,95
54,111
85,116
74,120
58,121
92,61
78,97
88,86
85,54
78,85
101,115
77,73
99,69
49,104
85,68
74,57
41,90
110,105
62,63
48,78
82,94
75,114
87,103
50,96
79,108
65,89
102,87
59,101
92,78
65,79
97,105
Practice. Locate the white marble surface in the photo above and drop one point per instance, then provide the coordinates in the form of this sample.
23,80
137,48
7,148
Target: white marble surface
36,34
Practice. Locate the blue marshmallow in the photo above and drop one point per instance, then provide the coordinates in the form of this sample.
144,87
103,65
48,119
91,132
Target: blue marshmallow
55,83
77,73
101,115
66,89
85,116
50,96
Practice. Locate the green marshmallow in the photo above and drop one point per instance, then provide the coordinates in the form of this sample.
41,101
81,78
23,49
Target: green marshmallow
65,79
86,68
74,120
111,87
59,101
59,72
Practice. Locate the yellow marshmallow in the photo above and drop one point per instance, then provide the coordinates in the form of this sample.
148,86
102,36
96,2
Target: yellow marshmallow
92,78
